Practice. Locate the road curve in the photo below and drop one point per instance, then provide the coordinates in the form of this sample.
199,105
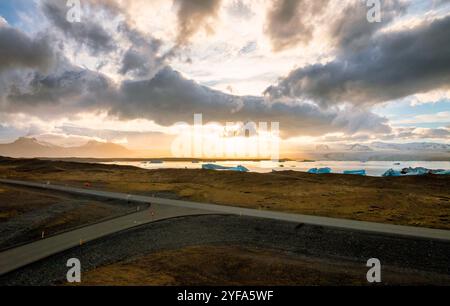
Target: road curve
390,229
21,256
166,208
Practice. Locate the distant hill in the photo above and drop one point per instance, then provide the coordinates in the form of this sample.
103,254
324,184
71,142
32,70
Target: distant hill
383,151
322,147
358,148
31,147
415,146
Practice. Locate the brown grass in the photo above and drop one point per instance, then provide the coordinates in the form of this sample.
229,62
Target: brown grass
416,201
236,265
44,216
15,202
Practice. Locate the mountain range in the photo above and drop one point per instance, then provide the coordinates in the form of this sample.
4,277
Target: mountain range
30,147
415,146
26,147
382,151
385,146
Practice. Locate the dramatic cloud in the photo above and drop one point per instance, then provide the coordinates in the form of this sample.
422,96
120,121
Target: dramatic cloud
19,51
291,22
138,51
393,65
141,60
87,33
351,31
195,15
169,98
62,91
110,65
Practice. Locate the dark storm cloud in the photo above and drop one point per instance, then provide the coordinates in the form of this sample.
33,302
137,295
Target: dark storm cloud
63,92
170,98
139,60
17,50
87,33
393,65
291,22
163,95
351,31
142,59
195,15
134,61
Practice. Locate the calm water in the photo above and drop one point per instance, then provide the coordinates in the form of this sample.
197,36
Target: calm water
373,168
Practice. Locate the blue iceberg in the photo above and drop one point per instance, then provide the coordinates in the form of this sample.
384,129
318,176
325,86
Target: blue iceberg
356,172
443,172
392,172
218,167
319,170
415,171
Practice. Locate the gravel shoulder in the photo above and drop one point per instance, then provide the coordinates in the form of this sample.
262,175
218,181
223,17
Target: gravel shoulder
419,258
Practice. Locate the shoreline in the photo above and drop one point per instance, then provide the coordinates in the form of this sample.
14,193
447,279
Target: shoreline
207,160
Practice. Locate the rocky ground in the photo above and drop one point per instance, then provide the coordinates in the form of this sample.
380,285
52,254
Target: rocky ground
220,249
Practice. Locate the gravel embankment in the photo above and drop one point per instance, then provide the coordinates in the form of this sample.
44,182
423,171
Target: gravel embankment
314,241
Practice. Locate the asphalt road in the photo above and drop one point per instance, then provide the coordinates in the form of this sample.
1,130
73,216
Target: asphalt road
18,257
166,208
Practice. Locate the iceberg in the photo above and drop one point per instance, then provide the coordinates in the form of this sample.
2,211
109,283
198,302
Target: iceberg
319,170
356,172
415,171
443,172
156,162
392,172
218,167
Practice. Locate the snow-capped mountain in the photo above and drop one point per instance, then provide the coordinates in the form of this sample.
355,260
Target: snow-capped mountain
416,146
358,148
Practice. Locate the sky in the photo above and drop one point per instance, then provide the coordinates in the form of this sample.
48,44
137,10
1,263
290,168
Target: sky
130,71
